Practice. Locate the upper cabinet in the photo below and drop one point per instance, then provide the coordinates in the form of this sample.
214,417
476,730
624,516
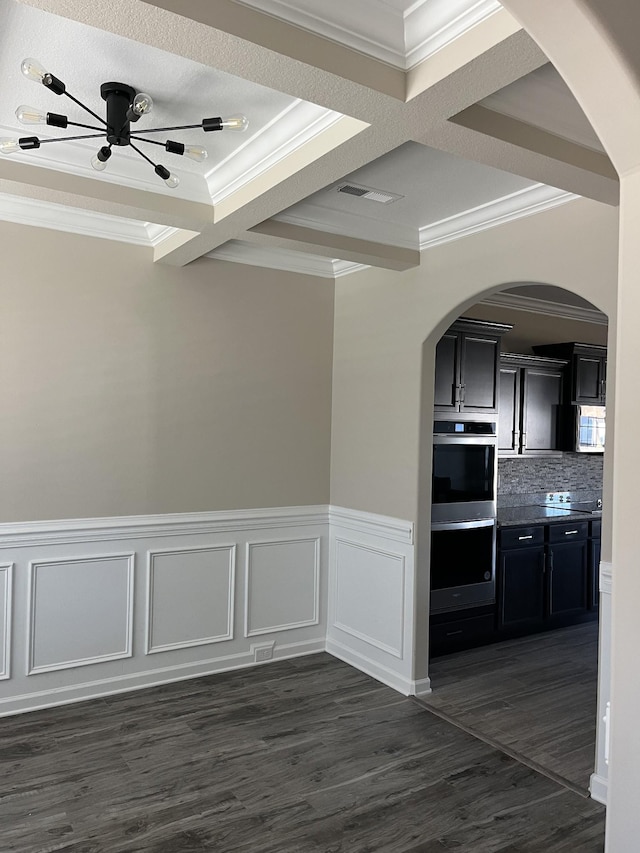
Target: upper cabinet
530,398
467,365
587,371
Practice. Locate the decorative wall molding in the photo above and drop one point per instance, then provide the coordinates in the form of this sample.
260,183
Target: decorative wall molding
277,626
372,524
152,556
545,306
35,566
606,577
341,602
66,531
6,580
526,202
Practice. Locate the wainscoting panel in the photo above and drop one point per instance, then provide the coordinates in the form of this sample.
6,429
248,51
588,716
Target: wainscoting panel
6,576
371,593
81,611
190,597
107,605
282,589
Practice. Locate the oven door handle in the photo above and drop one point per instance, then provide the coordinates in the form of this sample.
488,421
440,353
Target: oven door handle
463,525
491,439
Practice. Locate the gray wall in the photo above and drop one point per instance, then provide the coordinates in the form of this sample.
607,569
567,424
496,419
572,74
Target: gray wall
131,388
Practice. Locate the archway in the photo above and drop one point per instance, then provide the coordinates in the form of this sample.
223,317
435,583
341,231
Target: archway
569,318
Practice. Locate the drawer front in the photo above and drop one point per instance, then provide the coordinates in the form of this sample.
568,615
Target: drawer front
596,528
521,537
569,531
462,630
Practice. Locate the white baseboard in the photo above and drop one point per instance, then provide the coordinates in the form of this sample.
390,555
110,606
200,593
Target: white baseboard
370,667
422,687
151,678
598,788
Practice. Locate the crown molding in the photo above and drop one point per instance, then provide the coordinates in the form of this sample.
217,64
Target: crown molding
282,136
239,252
421,41
391,51
425,27
526,202
58,217
157,233
544,306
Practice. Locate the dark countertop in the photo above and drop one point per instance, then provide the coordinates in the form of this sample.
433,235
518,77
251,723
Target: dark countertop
515,516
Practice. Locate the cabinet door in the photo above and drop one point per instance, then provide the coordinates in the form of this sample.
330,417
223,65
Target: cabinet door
603,383
479,373
509,417
521,588
542,391
588,379
594,574
567,578
446,394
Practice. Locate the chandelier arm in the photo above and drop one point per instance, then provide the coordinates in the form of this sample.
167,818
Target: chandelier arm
152,141
71,138
142,154
163,129
88,126
86,108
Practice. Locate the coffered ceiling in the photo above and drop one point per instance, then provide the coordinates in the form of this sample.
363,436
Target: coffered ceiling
446,105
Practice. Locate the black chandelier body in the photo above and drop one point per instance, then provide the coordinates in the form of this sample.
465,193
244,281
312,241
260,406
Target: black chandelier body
124,107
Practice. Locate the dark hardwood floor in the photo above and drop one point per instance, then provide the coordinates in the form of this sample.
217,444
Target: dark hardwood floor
535,696
304,755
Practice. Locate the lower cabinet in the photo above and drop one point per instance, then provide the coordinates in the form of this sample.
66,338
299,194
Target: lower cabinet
594,565
543,577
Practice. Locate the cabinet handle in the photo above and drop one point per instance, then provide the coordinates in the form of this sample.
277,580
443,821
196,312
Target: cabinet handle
570,532
525,537
453,633
462,390
524,440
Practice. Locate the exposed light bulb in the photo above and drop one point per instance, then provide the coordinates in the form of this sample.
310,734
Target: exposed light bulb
32,69
195,152
8,145
99,160
240,123
142,104
30,115
172,181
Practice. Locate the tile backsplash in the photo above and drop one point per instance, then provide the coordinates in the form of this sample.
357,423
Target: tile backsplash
526,480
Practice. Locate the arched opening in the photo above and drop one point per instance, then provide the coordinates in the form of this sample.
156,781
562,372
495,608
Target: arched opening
509,600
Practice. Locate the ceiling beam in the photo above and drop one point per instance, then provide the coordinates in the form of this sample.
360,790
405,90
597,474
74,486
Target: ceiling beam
272,232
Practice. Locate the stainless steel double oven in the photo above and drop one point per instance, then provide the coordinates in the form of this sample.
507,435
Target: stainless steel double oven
463,514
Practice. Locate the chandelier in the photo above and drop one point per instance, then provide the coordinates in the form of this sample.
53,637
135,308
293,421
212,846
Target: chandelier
124,107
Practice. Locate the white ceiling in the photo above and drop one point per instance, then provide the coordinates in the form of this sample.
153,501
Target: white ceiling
184,92
444,196
434,185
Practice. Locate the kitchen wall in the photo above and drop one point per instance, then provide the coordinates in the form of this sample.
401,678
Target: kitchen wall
130,387
524,481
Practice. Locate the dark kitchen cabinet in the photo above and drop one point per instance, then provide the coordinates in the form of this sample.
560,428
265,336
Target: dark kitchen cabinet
530,398
586,371
466,370
594,565
521,579
543,577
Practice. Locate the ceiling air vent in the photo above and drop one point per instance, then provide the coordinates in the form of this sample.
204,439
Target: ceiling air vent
368,193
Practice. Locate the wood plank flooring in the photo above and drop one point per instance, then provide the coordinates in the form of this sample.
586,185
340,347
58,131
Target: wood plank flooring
303,755
535,696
